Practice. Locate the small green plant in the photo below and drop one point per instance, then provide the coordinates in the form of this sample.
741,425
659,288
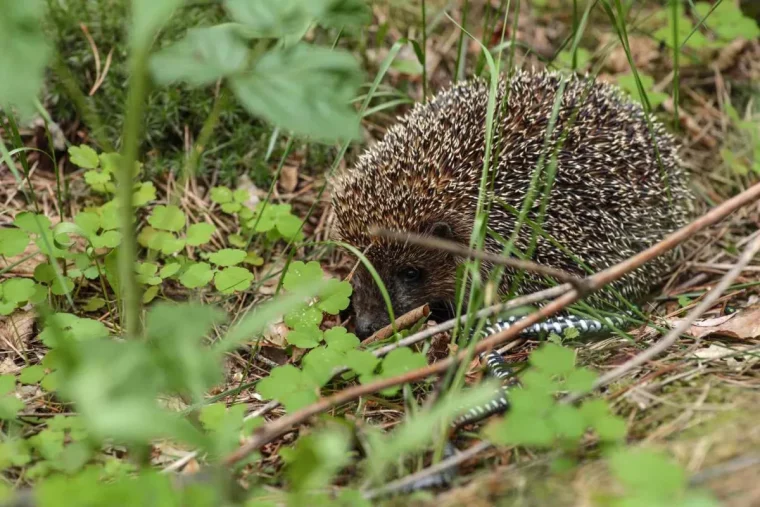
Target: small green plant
537,420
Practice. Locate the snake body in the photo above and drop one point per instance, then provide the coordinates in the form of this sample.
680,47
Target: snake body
498,368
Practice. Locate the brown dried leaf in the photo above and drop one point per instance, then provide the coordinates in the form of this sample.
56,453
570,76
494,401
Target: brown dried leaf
743,325
289,178
16,330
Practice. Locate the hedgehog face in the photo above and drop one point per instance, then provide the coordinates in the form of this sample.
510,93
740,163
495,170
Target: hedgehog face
412,275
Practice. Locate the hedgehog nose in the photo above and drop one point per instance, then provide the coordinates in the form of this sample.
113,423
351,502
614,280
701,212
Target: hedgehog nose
364,329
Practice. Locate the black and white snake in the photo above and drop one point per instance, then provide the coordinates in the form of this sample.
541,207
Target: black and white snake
498,368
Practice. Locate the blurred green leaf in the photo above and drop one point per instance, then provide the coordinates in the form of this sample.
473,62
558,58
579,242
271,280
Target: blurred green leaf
31,374
13,242
199,234
32,222
553,359
84,156
227,257
71,328
305,337
204,56
338,339
167,218
303,316
335,296
305,89
232,279
24,54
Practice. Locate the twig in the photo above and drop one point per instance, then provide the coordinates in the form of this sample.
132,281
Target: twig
669,339
441,466
405,321
283,425
434,243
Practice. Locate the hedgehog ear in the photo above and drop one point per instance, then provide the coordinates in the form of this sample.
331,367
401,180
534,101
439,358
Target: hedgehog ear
441,230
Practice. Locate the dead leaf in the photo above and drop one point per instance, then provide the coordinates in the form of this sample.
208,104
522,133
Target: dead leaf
644,51
16,330
743,325
289,178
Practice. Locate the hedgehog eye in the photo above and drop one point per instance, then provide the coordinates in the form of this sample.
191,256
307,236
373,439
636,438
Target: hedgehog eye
410,274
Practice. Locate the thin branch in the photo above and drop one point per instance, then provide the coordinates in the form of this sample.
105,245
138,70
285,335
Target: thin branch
434,243
285,424
661,345
404,322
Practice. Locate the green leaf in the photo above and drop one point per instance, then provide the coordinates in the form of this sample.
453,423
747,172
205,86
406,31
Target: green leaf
13,242
170,270
165,242
32,222
335,296
199,234
268,19
7,384
202,57
580,380
362,362
18,290
304,316
302,275
610,428
63,327
10,406
31,374
227,257
315,461
567,422
94,304
84,157
147,17
150,294
99,181
342,13
305,337
44,273
338,339
196,275
398,362
144,193
553,359
61,289
24,53
306,89
231,207
88,221
167,218
521,429
221,195
233,279
320,362
648,472
288,225
288,385
109,239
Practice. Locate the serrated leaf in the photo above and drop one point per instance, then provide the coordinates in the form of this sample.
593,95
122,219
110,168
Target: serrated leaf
288,384
268,19
362,362
7,384
84,156
301,275
221,195
199,234
232,279
335,296
24,55
568,422
320,363
31,374
167,218
18,290
13,242
144,193
553,359
10,406
196,275
227,257
62,286
94,304
580,380
170,269
305,316
202,57
338,339
305,337
32,222
647,471
305,89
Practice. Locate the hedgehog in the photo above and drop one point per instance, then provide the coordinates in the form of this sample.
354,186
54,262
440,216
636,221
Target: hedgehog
619,187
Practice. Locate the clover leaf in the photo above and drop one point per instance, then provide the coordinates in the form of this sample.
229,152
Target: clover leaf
167,218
